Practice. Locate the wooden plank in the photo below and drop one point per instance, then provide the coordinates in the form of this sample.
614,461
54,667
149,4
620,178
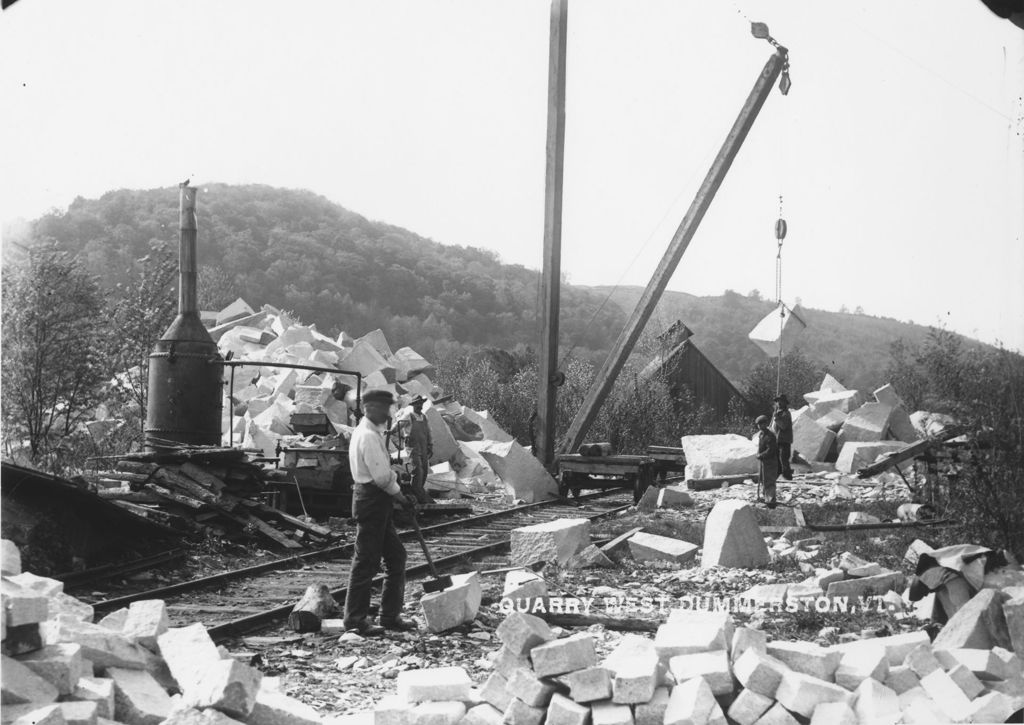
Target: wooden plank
175,479
708,484
175,497
202,476
118,494
271,533
298,523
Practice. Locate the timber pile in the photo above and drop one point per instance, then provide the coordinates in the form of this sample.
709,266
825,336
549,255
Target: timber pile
204,492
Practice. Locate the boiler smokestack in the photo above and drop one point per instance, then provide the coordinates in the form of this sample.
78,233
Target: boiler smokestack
185,388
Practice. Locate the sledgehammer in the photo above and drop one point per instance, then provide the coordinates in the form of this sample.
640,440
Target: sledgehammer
437,582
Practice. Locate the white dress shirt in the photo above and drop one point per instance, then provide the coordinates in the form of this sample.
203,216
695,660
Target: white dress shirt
368,457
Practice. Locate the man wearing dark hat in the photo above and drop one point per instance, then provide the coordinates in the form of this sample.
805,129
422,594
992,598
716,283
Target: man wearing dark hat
782,426
375,492
768,459
419,446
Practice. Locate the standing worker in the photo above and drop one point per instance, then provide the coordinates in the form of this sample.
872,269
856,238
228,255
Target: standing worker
419,446
782,426
768,459
375,492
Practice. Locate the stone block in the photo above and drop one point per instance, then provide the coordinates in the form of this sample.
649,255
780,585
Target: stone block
589,557
187,652
876,703
991,707
146,620
38,584
63,605
966,681
453,606
719,622
439,712
115,620
391,710
635,679
777,715
985,664
277,708
691,702
811,439
858,454
807,658
867,586
101,646
922,661
22,606
651,547
506,661
521,473
519,713
674,497
436,683
483,714
1013,613
843,401
1013,689
922,711
759,672
901,678
683,638
711,666
898,646
495,691
901,427
945,693
524,586
193,716
732,537
649,500
491,430
834,713
979,624
868,423
745,638
887,396
99,690
19,640
831,419
610,713
862,663
59,664
708,456
526,686
10,558
138,698
553,541
446,448
563,711
22,685
1012,664
652,712
33,714
748,707
521,632
228,686
588,685
564,655
801,693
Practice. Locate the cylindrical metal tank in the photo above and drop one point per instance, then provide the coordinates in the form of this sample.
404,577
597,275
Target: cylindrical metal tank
185,377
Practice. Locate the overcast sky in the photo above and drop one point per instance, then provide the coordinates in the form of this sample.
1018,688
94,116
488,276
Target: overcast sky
899,151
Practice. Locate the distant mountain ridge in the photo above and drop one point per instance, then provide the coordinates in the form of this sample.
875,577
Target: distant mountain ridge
333,267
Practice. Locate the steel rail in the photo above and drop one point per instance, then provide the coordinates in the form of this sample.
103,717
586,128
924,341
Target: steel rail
328,553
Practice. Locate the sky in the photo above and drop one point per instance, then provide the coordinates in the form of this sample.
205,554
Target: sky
898,153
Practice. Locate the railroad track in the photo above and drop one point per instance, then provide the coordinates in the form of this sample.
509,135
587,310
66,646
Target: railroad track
243,600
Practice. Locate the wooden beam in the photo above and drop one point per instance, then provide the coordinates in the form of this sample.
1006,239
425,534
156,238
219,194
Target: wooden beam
681,239
544,425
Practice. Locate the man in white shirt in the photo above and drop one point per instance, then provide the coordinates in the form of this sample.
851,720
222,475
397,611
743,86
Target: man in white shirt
375,492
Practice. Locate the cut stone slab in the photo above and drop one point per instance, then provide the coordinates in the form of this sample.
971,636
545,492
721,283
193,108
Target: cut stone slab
690,631
834,713
867,586
922,661
588,685
801,693
711,666
777,715
945,693
991,707
99,690
22,606
748,707
519,713
520,633
811,439
506,662
650,547
759,672
59,664
453,606
445,447
10,558
745,638
187,652
868,423
857,454
979,624
521,473
563,711
901,679
609,713
138,698
1013,613
985,664
33,714
559,656
841,401
491,430
553,541
674,497
495,691
483,714
636,679
438,713
807,658
876,703
711,456
898,646
966,681
652,712
862,663
732,537
691,702
146,620
22,685
436,683
526,686
228,686
391,710
901,427
39,584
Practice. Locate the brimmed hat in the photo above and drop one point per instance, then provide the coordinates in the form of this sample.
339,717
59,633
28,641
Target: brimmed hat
378,396
761,419
417,399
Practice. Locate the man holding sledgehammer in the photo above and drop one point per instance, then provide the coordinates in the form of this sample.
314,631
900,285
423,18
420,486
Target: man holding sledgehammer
375,492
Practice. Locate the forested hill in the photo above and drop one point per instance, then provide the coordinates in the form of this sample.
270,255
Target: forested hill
298,251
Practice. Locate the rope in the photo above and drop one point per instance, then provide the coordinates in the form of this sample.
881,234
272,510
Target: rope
778,301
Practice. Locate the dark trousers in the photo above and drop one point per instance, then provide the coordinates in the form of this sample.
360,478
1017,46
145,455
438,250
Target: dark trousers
420,467
785,454
376,539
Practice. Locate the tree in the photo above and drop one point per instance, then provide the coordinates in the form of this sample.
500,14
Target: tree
52,352
799,375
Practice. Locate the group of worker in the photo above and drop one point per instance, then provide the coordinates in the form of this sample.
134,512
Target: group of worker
774,448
